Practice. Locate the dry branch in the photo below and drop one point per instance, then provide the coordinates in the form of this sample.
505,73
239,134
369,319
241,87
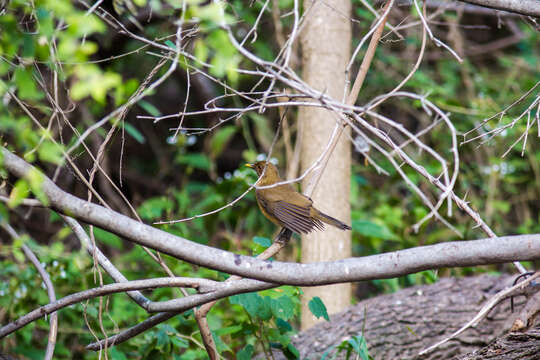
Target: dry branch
469,253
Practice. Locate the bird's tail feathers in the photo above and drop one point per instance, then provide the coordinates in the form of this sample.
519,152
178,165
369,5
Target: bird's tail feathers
332,221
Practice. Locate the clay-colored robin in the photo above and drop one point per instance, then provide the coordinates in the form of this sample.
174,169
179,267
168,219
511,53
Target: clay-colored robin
286,207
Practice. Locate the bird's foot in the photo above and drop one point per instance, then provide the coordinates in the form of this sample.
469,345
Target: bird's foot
284,236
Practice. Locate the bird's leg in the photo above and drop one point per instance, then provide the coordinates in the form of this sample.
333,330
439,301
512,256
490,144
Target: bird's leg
284,236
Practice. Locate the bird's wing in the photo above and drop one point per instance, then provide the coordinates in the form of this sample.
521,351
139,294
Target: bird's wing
294,217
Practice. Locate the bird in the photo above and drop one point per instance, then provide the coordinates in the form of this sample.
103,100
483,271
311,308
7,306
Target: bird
286,207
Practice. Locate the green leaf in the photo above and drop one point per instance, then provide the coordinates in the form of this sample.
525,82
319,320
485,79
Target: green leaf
81,24
282,307
46,22
117,354
220,344
220,139
317,308
197,160
200,50
264,242
50,152
149,108
162,339
249,301
26,85
283,325
153,208
91,310
246,353
18,254
263,131
219,40
29,46
359,344
92,81
20,191
179,342
228,330
265,309
226,59
292,352
213,13
35,180
170,44
253,303
140,3
4,214
371,229
136,134
108,238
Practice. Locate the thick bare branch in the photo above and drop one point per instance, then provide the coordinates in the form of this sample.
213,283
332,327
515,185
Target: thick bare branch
470,253
132,331
105,263
201,284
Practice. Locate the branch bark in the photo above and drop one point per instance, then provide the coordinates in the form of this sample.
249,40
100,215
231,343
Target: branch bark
387,265
101,291
524,7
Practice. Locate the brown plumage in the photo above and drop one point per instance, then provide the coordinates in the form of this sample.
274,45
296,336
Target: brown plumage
286,207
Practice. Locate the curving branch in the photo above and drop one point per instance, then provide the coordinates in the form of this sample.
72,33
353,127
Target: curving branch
177,306
103,261
132,331
463,253
388,265
199,284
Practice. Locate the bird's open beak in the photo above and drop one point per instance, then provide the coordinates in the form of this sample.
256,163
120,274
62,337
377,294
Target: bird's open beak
249,166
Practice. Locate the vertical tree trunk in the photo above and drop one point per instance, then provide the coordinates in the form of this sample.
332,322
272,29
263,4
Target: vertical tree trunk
325,42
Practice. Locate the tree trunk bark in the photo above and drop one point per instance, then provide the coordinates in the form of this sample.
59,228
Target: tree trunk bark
400,325
325,43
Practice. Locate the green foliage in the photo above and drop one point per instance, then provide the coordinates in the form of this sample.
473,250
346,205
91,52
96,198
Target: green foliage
196,161
19,192
220,140
354,348
91,81
317,308
264,242
269,316
371,229
155,208
108,238
246,353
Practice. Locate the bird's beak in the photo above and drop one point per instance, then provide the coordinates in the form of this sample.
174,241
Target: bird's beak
249,166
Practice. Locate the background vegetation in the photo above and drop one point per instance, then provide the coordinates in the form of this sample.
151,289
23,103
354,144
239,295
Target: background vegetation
62,69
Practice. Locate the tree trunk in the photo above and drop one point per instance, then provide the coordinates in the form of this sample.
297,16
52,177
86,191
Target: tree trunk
325,42
512,346
400,325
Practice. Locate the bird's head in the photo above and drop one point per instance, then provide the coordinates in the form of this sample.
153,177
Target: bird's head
271,173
